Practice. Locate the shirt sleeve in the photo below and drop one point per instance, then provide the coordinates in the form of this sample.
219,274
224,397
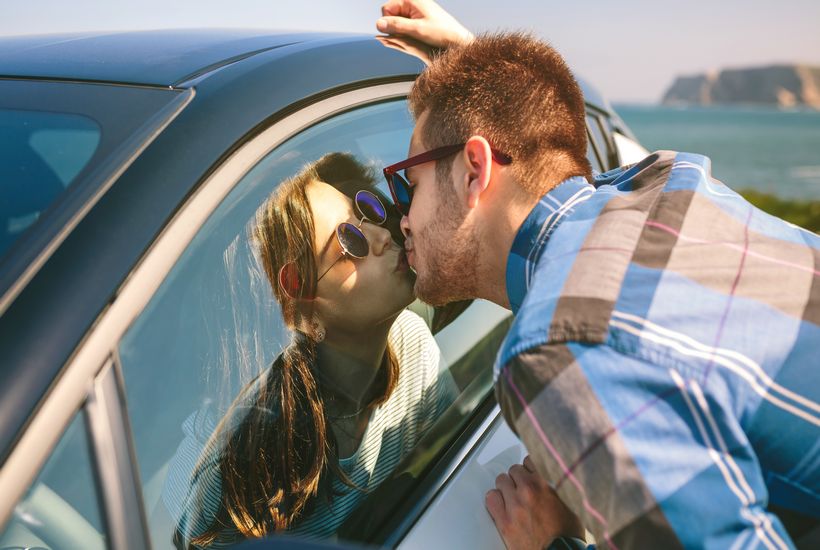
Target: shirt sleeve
646,456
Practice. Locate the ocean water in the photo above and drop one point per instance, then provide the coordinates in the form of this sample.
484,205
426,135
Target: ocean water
769,150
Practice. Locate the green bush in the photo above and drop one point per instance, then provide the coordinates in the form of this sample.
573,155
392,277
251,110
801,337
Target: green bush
799,212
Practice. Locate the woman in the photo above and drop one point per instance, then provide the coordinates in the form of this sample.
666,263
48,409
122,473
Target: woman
352,394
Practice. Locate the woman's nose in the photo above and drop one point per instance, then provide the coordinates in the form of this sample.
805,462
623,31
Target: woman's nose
379,238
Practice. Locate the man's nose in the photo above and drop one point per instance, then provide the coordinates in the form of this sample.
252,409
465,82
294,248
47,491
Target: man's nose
405,226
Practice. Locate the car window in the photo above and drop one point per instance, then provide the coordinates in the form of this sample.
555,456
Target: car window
40,155
592,152
390,511
598,143
59,141
61,509
205,363
629,150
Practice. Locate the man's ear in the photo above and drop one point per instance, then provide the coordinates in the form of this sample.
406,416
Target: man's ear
478,161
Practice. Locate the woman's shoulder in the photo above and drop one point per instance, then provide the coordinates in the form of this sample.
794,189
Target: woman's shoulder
409,327
410,338
417,352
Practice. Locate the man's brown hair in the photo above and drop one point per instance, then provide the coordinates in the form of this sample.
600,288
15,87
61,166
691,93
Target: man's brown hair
518,93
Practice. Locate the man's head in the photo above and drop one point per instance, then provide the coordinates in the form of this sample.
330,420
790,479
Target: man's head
509,92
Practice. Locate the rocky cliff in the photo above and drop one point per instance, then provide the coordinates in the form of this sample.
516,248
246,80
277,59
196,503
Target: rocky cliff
780,85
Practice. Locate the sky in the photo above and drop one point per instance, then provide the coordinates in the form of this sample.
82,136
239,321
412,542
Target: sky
632,50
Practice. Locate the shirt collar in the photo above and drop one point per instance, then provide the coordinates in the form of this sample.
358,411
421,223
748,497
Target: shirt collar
534,233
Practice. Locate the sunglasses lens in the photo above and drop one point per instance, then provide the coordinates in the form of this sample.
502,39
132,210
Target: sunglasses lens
352,240
370,207
402,193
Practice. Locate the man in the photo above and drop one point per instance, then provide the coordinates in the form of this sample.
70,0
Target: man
662,367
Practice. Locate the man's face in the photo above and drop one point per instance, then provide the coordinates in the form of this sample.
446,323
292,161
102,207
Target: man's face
439,244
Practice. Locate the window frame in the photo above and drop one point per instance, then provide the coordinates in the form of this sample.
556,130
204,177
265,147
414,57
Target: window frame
608,157
114,459
92,374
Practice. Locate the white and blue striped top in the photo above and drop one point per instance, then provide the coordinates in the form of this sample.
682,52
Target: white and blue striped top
424,390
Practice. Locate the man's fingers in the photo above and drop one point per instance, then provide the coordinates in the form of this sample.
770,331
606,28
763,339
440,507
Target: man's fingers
394,7
520,475
506,485
529,464
389,42
494,502
530,467
398,25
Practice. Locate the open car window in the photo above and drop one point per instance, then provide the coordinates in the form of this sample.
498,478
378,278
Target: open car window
195,360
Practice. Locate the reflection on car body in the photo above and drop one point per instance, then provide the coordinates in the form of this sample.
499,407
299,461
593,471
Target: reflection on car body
131,282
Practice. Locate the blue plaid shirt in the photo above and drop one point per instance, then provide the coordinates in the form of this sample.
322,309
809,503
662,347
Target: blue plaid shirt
663,366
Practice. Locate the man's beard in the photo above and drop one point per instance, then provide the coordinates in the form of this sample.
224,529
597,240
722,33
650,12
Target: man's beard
451,259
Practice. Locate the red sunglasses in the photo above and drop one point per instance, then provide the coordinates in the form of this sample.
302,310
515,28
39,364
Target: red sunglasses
402,192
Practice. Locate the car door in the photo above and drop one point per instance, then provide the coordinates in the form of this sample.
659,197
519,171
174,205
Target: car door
211,325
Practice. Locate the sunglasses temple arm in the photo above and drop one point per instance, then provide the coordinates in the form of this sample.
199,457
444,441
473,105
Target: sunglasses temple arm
329,268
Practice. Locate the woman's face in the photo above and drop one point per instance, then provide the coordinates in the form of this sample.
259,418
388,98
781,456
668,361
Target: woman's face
355,294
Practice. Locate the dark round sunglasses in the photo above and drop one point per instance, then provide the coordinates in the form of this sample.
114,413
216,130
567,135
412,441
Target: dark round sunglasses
402,191
352,241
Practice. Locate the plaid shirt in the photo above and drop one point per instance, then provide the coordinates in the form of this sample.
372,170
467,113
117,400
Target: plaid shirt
663,367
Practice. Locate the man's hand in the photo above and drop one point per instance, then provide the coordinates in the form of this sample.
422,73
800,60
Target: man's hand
527,512
422,20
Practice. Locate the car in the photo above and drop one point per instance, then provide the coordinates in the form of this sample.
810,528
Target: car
131,164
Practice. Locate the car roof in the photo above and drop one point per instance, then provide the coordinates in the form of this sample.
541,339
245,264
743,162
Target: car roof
153,58
157,58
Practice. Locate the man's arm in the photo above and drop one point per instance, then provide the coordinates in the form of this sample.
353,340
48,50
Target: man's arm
642,453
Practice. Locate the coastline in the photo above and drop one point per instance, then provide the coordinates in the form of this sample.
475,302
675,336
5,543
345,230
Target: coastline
770,155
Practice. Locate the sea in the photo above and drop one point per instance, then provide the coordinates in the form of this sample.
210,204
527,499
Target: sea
766,149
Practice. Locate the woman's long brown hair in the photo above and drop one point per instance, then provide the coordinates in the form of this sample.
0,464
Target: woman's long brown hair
280,454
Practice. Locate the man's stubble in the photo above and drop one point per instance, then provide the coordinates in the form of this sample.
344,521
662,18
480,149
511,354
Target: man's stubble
452,260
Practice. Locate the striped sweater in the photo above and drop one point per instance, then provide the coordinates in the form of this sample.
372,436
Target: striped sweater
424,390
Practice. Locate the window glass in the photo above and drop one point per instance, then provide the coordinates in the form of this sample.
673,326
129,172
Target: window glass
40,155
592,154
222,375
61,509
598,141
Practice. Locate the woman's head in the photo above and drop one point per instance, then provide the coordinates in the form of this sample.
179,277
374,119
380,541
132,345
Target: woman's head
311,277
276,458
